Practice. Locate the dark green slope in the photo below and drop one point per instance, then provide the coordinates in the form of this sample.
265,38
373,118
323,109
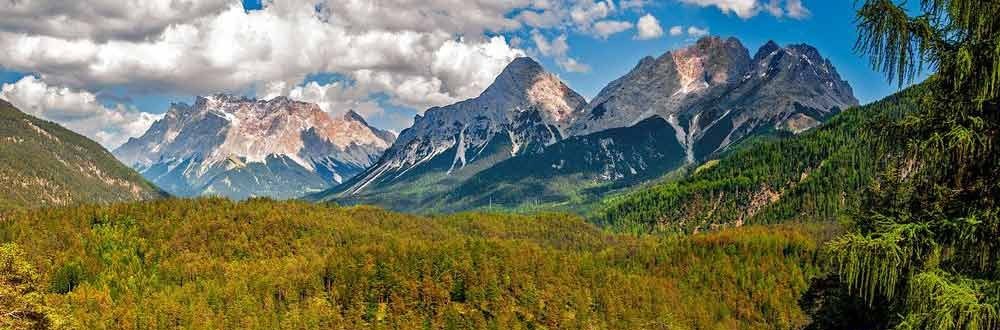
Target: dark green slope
44,164
815,176
420,188
575,170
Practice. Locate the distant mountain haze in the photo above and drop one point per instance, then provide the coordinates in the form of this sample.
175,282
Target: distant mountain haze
241,148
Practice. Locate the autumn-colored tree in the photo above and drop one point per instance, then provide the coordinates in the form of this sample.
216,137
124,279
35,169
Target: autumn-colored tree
21,300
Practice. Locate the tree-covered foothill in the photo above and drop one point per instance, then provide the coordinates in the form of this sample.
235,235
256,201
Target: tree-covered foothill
923,251
212,263
44,164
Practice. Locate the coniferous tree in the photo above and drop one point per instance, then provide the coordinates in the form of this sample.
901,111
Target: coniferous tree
925,245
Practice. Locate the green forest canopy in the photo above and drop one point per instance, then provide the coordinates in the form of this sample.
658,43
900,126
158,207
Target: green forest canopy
212,263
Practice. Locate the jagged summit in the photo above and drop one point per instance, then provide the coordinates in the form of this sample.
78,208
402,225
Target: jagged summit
664,85
525,109
765,50
525,85
687,81
289,147
523,66
519,75
351,115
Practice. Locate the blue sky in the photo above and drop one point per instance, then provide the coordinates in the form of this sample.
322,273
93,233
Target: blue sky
830,28
392,95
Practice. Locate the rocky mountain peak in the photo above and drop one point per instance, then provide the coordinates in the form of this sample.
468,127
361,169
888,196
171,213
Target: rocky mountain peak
525,109
714,93
711,61
767,49
525,79
808,51
665,85
518,76
523,66
712,44
525,85
799,65
351,115
192,146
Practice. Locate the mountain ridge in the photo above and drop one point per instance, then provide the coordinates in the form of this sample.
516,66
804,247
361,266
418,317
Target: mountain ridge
710,95
44,164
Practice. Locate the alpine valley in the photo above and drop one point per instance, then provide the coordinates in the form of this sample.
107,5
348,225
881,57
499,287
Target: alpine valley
530,140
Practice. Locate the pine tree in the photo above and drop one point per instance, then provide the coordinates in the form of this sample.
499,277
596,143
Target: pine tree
924,248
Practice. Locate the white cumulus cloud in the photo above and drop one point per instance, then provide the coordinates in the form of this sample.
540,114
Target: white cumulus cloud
649,28
77,110
607,28
237,50
103,19
742,8
676,30
571,65
697,32
750,8
796,10
558,49
416,54
691,31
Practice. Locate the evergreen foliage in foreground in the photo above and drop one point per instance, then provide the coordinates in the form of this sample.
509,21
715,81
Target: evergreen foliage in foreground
212,263
925,247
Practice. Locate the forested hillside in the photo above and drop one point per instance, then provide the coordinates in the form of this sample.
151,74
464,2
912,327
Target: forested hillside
212,263
42,164
811,177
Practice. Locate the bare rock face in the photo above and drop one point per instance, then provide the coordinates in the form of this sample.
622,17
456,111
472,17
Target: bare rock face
524,110
241,148
665,85
714,94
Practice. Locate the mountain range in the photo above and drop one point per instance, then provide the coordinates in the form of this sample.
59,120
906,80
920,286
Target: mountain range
530,139
241,148
526,140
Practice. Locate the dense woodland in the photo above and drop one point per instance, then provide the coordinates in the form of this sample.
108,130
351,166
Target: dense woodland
212,263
